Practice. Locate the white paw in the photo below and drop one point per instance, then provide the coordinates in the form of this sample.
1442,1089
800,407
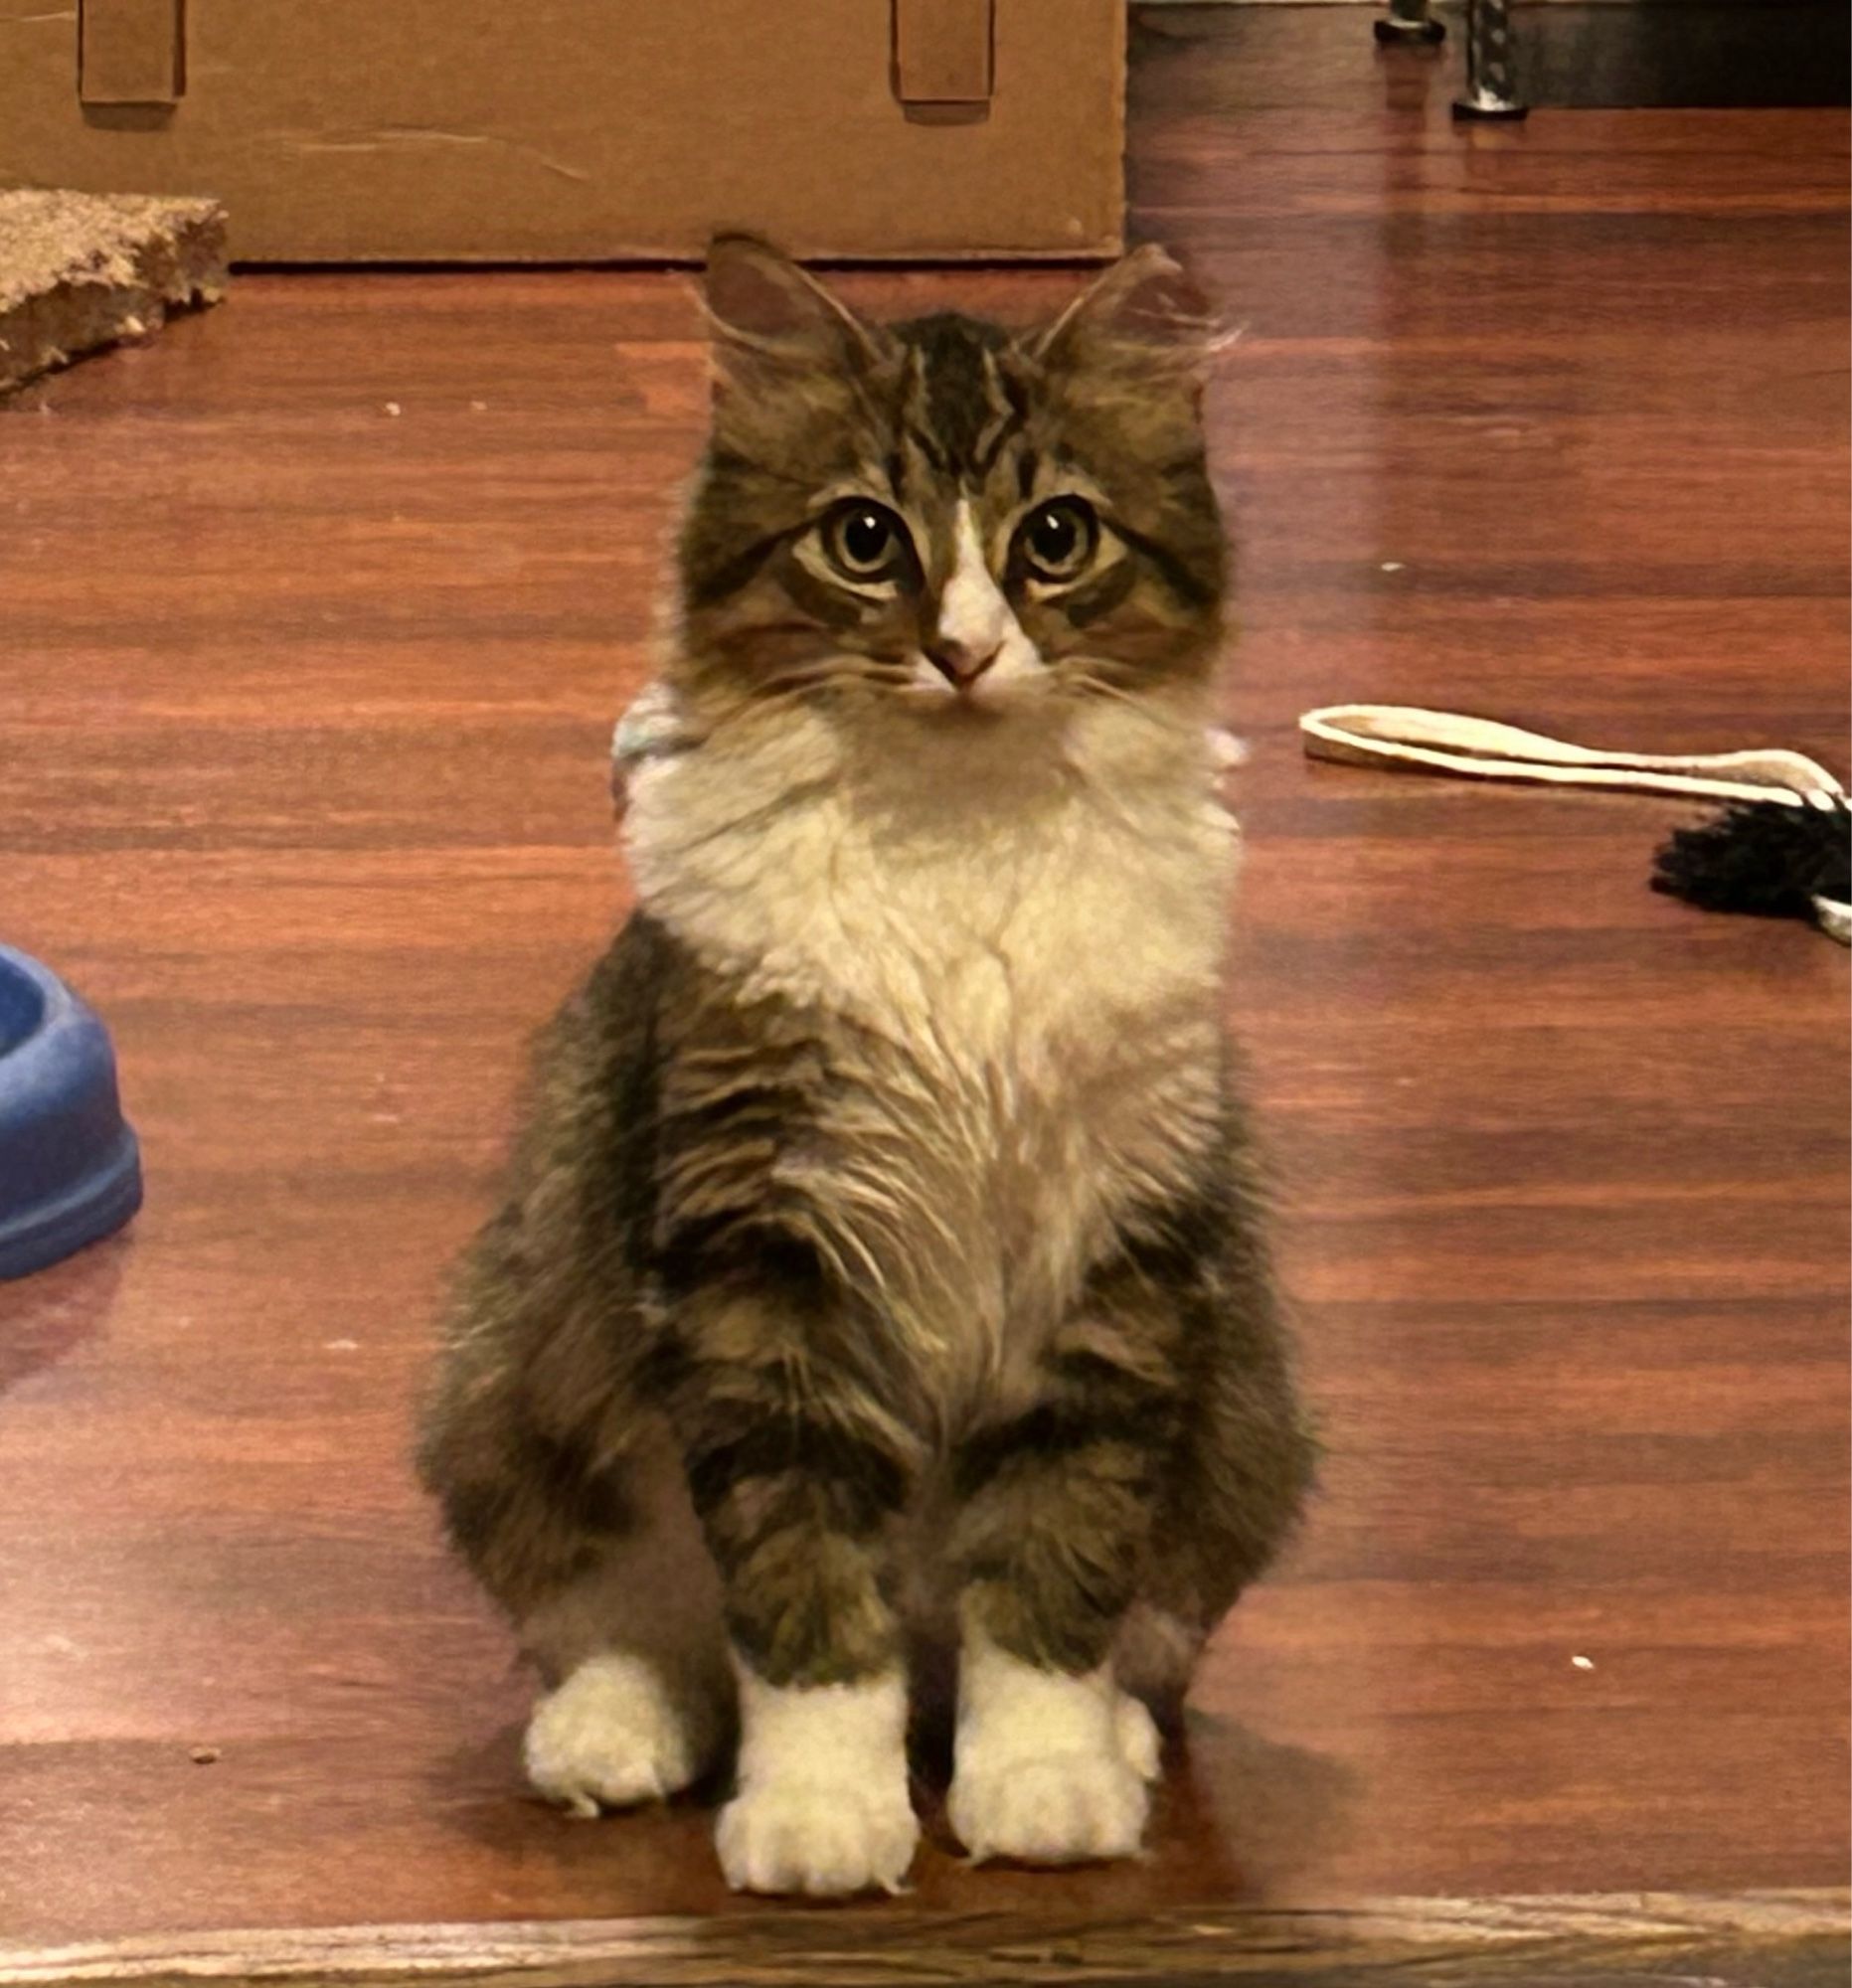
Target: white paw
610,1737
1065,1808
822,1807
824,1839
1050,1766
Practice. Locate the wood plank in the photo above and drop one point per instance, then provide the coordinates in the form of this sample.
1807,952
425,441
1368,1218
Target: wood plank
1775,1940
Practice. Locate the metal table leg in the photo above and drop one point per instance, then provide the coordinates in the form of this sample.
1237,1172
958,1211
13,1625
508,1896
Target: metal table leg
1491,89
1408,21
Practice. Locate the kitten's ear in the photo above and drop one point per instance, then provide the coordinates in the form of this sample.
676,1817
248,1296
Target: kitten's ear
1145,308
765,310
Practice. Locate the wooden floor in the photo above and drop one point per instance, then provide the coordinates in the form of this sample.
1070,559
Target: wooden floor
314,615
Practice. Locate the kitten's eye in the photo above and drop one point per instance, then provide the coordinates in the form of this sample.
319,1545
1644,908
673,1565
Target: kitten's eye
865,541
1058,538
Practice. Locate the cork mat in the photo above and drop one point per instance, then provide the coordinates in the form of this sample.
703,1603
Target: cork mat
79,270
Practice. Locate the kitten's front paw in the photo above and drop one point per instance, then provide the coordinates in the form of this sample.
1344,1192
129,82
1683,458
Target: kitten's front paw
1051,1767
610,1737
1062,1808
824,1839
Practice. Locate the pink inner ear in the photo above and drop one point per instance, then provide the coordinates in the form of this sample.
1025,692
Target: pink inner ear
1167,304
1146,297
754,294
1143,300
755,291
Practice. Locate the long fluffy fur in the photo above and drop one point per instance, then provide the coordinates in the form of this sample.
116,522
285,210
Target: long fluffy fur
883,1245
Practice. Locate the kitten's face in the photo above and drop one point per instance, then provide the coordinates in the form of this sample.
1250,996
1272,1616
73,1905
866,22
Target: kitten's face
943,517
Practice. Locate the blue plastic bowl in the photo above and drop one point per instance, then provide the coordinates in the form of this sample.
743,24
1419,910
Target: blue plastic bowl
69,1168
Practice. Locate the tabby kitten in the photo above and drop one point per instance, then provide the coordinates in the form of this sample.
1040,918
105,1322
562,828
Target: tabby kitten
880,1261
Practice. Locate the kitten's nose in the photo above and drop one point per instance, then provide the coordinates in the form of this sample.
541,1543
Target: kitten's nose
961,663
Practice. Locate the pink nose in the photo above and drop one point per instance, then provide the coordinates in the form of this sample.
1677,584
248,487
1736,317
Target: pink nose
960,663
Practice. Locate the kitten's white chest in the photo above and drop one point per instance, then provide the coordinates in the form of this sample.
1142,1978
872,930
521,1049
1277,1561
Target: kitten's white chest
1025,999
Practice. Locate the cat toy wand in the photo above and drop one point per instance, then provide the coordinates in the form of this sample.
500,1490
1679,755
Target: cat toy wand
1781,847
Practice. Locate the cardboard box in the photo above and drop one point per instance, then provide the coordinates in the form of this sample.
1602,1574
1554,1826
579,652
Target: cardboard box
601,130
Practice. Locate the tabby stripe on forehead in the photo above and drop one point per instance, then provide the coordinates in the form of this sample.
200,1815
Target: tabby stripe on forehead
994,440
916,416
959,407
1009,412
934,457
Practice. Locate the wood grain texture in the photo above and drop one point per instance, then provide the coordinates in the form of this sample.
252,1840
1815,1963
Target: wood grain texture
303,709
1776,1939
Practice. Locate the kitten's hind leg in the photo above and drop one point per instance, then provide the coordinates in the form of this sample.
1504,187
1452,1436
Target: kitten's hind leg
1240,1472
641,1697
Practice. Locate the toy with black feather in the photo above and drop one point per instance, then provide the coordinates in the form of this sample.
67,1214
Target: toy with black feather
1770,859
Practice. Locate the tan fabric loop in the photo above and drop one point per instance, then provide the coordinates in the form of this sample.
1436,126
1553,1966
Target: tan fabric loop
1441,741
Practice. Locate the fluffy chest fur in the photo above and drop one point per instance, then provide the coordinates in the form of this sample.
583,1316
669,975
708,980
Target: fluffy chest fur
1009,940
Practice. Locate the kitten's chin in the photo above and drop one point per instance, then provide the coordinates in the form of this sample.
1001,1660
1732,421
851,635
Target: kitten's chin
962,707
